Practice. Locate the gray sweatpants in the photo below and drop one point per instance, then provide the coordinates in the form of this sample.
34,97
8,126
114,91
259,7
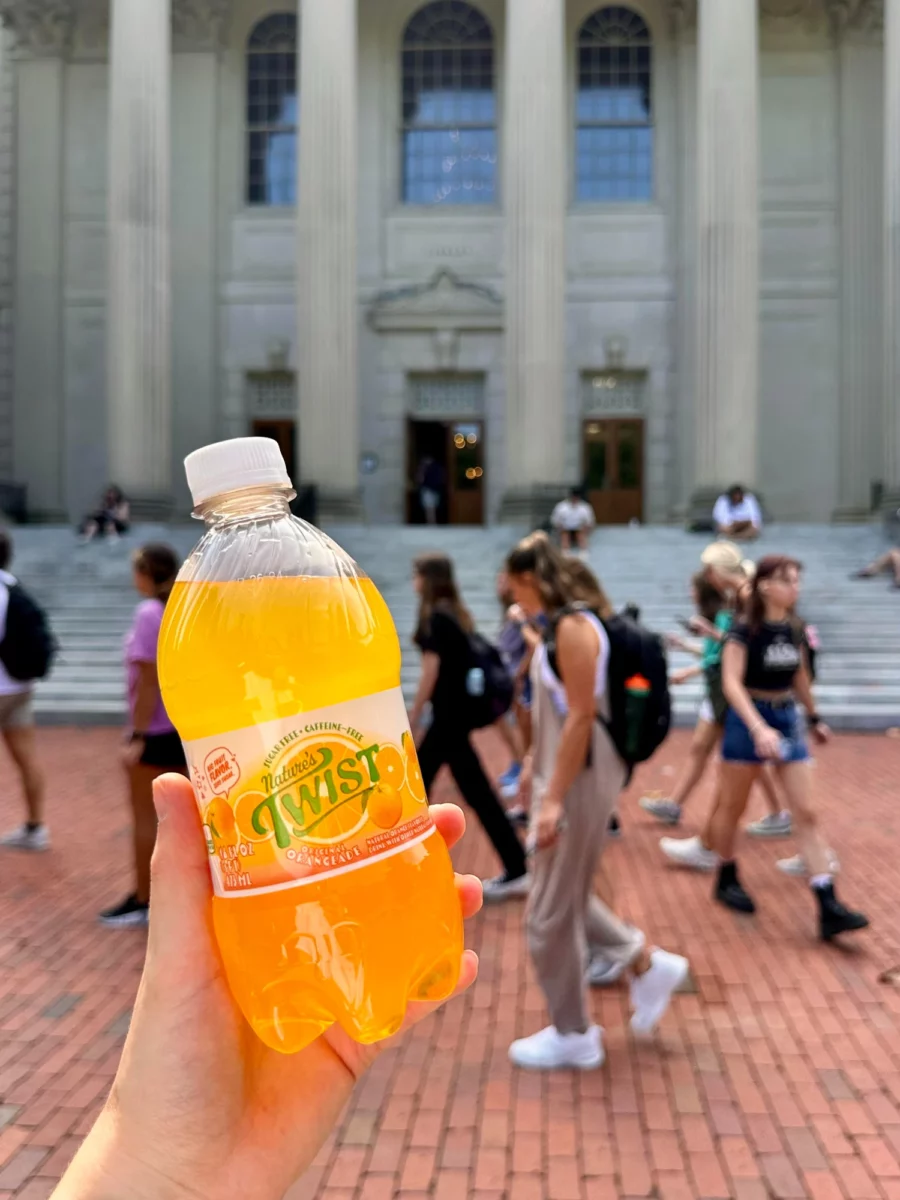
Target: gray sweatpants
566,922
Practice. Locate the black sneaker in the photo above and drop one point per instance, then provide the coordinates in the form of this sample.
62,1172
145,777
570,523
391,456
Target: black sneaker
129,913
730,892
614,828
834,917
517,816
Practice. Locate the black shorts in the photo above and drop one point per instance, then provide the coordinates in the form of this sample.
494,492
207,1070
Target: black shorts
163,750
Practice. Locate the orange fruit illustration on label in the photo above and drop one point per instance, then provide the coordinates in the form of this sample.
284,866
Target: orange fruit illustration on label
244,807
220,820
391,766
414,780
385,806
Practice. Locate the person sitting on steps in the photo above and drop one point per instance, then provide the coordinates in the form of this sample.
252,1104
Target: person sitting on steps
573,519
737,515
889,561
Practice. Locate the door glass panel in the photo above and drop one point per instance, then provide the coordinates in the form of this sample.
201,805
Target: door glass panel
466,451
629,457
596,465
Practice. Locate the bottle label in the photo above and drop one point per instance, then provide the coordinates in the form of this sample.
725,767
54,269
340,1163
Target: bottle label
303,799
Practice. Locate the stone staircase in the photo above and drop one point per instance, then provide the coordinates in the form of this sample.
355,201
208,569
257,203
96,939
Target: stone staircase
88,594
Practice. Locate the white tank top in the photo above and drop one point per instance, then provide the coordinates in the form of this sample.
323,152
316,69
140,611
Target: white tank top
555,685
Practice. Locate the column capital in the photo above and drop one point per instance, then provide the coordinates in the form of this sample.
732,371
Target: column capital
682,15
869,17
775,14
43,28
858,19
200,24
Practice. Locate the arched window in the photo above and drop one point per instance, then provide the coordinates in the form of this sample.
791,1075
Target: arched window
449,106
614,112
272,112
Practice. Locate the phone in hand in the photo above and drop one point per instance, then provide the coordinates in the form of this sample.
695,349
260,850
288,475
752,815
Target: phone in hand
685,624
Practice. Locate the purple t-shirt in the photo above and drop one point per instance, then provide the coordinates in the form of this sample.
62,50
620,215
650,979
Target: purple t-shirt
140,647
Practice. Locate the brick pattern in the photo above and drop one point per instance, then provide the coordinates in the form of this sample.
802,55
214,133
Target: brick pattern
776,1076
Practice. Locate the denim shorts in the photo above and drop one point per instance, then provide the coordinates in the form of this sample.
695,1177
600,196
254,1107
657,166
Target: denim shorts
737,744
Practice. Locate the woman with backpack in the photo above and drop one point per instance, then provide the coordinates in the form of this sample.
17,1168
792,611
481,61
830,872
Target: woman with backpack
152,747
764,674
576,774
443,635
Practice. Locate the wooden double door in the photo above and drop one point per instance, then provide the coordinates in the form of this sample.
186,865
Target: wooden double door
456,448
613,464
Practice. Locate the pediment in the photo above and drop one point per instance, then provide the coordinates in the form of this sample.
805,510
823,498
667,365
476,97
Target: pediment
445,302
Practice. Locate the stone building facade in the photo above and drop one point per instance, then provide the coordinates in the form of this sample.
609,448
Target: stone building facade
652,247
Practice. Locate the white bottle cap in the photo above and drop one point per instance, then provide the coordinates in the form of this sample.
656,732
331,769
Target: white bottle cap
245,462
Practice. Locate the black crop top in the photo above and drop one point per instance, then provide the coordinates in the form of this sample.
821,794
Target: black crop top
774,654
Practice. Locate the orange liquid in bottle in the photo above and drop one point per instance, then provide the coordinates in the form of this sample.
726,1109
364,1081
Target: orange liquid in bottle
358,944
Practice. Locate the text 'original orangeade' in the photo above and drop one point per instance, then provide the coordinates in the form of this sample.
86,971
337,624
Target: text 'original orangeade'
334,897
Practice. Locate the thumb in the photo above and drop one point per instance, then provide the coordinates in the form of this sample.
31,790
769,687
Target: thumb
180,887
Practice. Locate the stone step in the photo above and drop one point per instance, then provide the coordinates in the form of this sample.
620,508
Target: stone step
89,595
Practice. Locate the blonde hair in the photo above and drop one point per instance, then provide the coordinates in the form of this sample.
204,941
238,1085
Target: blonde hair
727,558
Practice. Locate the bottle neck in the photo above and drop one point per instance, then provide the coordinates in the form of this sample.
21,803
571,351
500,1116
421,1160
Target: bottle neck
249,504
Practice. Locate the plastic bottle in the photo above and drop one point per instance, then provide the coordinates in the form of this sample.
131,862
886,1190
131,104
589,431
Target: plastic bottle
637,693
334,897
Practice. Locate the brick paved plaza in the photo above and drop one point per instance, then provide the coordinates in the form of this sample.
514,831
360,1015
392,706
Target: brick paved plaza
777,1075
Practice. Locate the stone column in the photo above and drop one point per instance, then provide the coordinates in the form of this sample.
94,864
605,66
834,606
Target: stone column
683,253
139,294
198,406
891,246
42,32
727,277
861,191
536,175
327,304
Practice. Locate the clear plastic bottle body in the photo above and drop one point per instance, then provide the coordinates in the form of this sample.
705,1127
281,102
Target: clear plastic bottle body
269,621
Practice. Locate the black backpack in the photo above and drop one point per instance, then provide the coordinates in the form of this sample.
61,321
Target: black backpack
28,647
637,685
489,686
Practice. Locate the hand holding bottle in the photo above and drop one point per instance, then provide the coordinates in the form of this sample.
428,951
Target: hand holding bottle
200,1106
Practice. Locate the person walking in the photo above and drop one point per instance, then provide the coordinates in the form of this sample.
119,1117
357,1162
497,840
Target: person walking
575,776
514,652
431,481
442,635
726,570
17,727
764,674
152,747
712,620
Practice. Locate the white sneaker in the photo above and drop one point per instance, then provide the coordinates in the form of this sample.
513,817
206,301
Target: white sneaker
689,852
502,888
651,993
797,865
24,838
551,1050
664,810
772,825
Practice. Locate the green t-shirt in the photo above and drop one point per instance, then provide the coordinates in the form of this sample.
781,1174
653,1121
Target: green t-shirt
712,650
